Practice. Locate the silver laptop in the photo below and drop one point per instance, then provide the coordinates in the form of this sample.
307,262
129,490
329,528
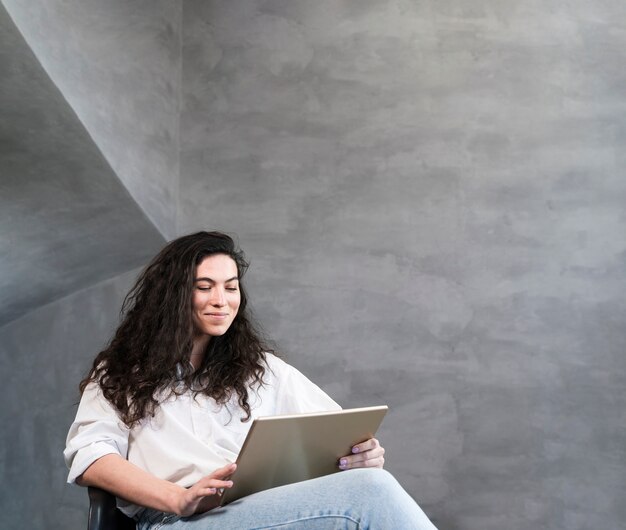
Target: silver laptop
282,450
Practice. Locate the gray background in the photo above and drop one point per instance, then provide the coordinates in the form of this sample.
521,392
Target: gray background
431,194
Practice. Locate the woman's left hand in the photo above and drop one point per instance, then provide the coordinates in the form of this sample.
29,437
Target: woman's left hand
366,454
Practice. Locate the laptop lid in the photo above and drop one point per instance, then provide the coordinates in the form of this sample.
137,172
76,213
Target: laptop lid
281,450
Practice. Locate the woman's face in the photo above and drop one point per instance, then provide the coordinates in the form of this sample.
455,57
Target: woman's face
216,295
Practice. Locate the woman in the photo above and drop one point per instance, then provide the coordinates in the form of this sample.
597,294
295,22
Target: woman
166,407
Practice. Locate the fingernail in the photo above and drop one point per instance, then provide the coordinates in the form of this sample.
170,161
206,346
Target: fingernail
355,449
343,462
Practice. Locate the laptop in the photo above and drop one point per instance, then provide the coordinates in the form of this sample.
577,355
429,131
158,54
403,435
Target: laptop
281,450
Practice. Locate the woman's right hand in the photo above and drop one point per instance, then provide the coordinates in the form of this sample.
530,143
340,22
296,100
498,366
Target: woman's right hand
203,495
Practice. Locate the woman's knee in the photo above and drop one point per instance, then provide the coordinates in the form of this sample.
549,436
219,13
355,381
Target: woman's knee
381,502
371,480
370,476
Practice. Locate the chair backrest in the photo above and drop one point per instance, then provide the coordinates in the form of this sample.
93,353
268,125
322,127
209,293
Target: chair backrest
103,512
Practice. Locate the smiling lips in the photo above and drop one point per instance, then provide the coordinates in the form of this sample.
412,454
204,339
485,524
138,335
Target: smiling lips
217,315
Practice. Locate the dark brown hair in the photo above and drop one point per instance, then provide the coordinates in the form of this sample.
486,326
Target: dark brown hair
148,358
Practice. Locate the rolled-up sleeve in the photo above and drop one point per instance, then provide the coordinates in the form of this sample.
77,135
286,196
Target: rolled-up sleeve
96,431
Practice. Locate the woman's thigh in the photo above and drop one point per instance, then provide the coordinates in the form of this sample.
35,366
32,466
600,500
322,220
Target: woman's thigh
360,498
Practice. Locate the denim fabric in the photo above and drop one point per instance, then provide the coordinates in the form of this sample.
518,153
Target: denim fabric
357,499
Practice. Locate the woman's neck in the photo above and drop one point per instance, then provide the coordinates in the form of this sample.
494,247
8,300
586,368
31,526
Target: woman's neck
198,349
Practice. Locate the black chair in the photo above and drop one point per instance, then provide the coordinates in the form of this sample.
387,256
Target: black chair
103,512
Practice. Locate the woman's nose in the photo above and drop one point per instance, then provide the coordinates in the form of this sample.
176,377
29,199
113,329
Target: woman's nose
217,297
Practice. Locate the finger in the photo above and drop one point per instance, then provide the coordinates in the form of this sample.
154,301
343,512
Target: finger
220,484
205,492
352,461
374,462
370,462
208,482
367,445
224,472
367,455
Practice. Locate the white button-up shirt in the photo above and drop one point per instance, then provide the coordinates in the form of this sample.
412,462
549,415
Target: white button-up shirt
188,438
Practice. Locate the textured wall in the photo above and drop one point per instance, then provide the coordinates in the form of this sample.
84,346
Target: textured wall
66,223
433,198
66,220
118,65
43,356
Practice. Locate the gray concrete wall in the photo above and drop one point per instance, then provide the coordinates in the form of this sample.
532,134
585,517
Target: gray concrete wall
66,220
118,63
43,356
432,197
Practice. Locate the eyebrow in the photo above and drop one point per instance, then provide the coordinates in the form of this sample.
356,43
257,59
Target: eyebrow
205,279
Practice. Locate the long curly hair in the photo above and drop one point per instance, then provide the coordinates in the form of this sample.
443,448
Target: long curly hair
148,359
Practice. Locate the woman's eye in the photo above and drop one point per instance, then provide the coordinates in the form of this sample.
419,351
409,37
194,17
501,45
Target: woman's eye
231,289
203,288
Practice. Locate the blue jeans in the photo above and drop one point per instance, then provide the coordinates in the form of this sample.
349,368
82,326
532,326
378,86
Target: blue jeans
357,499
